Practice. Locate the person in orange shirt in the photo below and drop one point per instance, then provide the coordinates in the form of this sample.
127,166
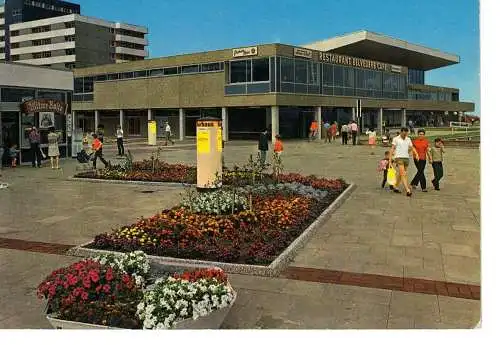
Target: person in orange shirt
278,145
313,130
422,146
97,149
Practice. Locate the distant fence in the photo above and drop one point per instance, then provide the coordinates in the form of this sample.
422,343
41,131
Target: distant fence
459,126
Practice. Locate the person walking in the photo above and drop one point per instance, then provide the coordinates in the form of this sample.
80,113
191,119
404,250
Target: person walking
400,152
97,149
168,134
333,131
34,139
313,130
324,131
422,147
119,141
372,139
278,145
53,139
437,162
345,132
263,146
354,132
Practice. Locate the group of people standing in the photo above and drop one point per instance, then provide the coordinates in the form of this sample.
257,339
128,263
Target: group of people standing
348,131
422,152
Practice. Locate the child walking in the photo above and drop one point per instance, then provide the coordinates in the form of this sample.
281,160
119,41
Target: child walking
383,165
13,151
372,139
437,161
278,145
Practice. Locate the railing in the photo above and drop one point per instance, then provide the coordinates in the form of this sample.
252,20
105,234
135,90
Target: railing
459,125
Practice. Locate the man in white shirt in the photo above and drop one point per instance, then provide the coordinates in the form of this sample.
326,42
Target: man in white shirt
119,141
168,134
400,152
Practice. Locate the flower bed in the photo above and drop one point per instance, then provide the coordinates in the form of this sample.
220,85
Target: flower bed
102,291
142,171
206,228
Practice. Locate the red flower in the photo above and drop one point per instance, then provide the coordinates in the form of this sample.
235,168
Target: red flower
85,296
72,280
109,274
126,279
94,275
106,288
86,282
52,291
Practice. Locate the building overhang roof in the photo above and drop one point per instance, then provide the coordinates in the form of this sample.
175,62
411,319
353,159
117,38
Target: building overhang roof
373,46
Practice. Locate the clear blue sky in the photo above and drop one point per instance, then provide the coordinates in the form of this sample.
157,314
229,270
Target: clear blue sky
183,26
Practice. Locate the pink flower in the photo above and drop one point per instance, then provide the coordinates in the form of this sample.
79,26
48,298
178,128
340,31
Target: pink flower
106,288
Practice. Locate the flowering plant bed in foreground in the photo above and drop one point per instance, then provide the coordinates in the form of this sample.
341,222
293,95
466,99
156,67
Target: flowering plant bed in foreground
253,230
120,291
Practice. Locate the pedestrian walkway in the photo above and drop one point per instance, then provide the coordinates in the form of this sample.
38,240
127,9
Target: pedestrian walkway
377,239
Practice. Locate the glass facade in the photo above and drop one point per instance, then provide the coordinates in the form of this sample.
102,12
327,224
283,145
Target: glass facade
416,76
288,75
433,95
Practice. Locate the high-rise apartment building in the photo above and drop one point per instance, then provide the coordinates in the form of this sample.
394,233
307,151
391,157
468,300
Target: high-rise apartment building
53,34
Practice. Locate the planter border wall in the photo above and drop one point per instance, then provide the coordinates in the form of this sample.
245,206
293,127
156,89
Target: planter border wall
271,270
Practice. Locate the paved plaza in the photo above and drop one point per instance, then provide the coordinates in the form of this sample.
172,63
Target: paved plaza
431,237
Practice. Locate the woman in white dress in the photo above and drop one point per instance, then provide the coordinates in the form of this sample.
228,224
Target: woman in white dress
53,139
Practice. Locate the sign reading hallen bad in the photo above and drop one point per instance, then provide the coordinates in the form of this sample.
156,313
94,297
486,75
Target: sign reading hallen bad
248,51
352,61
37,105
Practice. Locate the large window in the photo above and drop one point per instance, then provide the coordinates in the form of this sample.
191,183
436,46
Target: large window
240,71
78,85
301,71
248,71
88,84
416,76
16,95
287,70
260,69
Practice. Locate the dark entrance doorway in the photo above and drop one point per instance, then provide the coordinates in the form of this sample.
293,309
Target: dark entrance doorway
295,122
246,123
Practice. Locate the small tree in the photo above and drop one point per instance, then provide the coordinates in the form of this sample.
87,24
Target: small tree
129,162
277,166
155,159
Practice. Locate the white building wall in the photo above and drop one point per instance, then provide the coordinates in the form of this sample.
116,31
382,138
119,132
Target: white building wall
36,77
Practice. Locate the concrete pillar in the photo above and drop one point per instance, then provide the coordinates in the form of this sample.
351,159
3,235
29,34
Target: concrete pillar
403,117
182,125
380,120
73,121
354,114
317,117
275,122
225,128
96,120
150,114
122,118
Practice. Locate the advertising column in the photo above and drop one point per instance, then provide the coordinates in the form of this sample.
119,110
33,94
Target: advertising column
152,132
208,152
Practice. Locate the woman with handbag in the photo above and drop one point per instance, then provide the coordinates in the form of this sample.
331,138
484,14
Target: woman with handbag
53,139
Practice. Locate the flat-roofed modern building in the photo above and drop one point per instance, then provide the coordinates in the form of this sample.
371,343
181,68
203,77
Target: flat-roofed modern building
28,95
52,33
76,41
364,76
2,32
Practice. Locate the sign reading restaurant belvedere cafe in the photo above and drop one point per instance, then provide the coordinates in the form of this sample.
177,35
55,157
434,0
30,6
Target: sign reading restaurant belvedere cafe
48,105
352,61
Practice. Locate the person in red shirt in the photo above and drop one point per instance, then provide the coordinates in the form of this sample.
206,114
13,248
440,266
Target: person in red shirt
97,148
422,146
313,130
278,145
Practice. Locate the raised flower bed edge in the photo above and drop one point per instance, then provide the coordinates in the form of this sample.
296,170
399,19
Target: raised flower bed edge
271,270
213,320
